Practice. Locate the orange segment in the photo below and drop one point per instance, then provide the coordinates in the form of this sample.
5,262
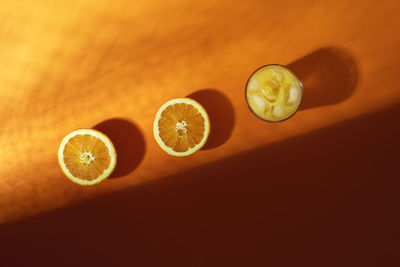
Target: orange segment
181,127
87,156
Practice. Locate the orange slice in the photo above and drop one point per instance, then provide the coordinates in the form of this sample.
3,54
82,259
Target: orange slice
181,127
87,156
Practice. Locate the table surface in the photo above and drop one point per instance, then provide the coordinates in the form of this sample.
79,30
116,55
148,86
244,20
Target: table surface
109,65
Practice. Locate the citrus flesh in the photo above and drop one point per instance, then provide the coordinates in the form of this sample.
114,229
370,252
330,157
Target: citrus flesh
87,156
181,127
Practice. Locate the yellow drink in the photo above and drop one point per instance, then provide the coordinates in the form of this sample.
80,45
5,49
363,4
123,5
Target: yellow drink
273,93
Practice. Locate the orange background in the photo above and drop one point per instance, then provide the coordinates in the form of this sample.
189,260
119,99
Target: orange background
317,190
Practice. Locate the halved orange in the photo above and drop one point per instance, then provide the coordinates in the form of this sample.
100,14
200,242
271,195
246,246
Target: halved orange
87,156
181,127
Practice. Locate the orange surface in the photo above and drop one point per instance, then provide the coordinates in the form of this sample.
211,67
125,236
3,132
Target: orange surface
323,177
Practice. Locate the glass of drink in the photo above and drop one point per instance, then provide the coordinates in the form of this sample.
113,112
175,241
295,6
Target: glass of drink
274,93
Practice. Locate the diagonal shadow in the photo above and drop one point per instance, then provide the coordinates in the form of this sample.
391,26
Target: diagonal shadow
129,144
327,198
329,76
221,114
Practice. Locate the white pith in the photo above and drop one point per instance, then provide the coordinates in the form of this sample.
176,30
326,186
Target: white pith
200,108
107,142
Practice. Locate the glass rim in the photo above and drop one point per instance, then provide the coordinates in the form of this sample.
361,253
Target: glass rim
270,65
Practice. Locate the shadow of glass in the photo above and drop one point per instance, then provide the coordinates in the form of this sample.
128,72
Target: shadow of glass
128,141
329,76
221,114
327,198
